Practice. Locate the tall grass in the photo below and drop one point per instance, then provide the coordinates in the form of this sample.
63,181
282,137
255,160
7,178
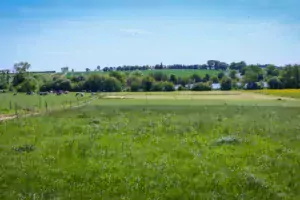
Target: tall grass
153,152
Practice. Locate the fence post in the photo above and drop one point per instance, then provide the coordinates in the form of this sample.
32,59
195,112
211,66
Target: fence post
16,110
46,106
10,106
40,103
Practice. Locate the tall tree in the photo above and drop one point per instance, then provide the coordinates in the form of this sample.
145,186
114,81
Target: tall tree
275,83
232,74
196,78
21,67
237,66
253,73
3,80
173,79
118,75
221,75
147,83
7,76
206,78
214,79
271,70
159,76
226,83
21,72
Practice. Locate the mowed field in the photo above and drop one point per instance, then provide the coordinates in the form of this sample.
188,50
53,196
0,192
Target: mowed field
168,72
293,93
135,147
201,98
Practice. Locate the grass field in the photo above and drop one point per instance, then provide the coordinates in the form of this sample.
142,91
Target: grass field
224,96
293,93
177,72
10,104
159,148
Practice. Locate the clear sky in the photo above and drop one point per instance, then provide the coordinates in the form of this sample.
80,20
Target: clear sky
51,34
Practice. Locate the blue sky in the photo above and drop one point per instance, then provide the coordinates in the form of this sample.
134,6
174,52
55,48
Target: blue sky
51,34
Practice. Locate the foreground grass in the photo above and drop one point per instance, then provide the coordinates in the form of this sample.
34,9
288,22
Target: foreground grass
153,151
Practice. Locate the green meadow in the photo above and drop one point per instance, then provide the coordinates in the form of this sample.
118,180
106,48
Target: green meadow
129,146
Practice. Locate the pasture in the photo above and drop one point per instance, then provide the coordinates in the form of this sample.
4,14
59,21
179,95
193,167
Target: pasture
138,147
10,104
168,72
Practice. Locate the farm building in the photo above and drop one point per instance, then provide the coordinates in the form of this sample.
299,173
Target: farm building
216,86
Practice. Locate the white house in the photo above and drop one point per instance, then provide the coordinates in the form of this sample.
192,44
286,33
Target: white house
216,86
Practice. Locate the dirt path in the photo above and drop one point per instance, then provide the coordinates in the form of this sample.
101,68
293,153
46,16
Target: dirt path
10,117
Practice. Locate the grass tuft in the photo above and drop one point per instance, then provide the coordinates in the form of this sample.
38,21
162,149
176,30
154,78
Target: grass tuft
27,148
227,140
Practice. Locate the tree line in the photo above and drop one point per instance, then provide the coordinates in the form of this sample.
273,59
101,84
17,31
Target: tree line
210,65
236,76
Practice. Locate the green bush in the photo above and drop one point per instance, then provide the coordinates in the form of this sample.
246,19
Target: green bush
147,83
77,86
63,84
4,86
95,82
214,79
275,83
118,75
201,87
181,88
112,84
226,83
159,76
136,73
173,78
169,87
28,85
135,86
157,87
254,86
163,86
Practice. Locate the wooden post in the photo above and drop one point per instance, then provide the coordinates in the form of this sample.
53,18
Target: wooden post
40,103
16,110
46,106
